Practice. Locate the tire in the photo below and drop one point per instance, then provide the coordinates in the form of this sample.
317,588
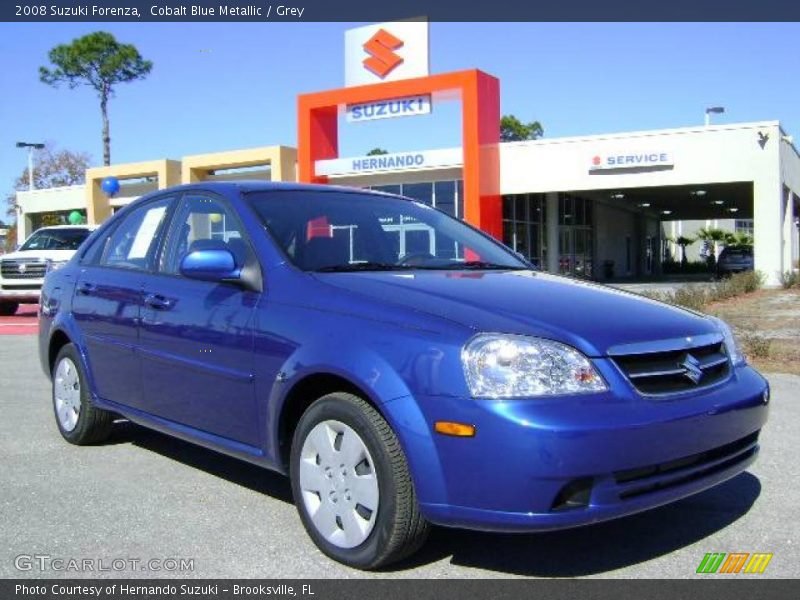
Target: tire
79,422
7,309
394,528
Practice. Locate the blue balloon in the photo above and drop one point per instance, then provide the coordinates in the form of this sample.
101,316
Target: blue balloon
110,185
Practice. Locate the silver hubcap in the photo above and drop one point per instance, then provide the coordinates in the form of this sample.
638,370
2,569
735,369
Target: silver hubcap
67,394
339,484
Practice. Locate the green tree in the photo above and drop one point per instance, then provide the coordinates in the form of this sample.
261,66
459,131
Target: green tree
377,152
682,241
739,239
99,61
712,237
514,130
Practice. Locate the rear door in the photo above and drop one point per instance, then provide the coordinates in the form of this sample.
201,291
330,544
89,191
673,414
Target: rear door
107,302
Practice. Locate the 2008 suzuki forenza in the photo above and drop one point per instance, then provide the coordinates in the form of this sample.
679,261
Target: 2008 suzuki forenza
400,366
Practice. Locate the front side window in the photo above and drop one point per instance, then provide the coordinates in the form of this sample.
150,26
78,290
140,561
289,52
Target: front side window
63,238
131,244
340,231
203,222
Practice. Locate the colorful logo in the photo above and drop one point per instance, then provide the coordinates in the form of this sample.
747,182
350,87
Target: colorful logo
736,562
382,60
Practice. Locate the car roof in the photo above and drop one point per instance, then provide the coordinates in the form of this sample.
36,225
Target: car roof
250,186
82,226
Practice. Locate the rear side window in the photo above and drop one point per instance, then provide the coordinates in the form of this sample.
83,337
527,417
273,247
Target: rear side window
131,244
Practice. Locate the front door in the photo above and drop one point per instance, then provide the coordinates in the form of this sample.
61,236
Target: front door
196,338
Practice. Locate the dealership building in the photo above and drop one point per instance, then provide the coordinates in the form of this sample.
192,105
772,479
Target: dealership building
599,206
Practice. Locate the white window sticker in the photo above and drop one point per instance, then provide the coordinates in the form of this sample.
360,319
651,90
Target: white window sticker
146,233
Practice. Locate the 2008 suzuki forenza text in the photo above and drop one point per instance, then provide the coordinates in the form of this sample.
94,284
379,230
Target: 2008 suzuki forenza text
403,368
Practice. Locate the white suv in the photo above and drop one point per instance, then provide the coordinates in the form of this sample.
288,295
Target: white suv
22,272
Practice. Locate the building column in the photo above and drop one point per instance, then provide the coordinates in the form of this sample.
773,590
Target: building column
24,228
552,231
768,215
789,230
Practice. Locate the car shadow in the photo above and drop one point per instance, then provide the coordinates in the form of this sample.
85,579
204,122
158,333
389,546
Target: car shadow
596,548
214,463
575,552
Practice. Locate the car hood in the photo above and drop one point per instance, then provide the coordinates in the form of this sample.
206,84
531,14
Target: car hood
58,255
596,319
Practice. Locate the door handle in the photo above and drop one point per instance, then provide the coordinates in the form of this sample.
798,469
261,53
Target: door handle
158,302
86,288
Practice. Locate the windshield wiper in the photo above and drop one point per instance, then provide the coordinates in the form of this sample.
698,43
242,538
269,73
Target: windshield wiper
362,266
480,264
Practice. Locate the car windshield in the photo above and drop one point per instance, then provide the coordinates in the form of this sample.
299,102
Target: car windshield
56,239
351,231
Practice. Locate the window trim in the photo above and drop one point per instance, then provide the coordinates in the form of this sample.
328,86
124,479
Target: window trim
165,238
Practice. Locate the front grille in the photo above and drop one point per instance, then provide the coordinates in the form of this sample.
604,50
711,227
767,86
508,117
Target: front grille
717,459
676,370
22,269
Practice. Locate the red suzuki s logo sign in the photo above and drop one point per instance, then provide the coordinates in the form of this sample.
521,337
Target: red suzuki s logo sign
382,60
386,52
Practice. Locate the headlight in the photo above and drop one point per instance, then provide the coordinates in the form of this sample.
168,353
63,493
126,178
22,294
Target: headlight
513,366
52,265
731,345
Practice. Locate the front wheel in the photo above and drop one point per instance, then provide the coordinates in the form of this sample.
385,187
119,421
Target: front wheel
351,484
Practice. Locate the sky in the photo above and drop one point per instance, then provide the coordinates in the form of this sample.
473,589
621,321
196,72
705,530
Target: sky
224,86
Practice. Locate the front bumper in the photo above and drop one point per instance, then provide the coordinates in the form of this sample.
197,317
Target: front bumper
20,291
563,462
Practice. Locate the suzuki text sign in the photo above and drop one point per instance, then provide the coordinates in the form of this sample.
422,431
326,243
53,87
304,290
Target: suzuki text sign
631,160
387,109
386,52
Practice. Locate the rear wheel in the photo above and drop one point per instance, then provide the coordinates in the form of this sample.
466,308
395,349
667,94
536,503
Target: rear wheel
351,484
78,420
8,308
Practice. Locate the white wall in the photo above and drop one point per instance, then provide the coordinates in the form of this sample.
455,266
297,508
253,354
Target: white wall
700,155
71,197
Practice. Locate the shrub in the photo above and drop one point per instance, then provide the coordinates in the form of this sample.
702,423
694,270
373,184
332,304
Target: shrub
736,285
697,297
694,298
690,297
790,279
755,344
670,267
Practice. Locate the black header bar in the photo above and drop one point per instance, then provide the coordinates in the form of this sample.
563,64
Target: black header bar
383,10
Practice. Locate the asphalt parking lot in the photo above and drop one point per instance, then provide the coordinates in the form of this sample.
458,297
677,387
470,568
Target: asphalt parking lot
146,496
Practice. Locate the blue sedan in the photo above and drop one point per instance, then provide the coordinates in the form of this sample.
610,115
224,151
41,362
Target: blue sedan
401,367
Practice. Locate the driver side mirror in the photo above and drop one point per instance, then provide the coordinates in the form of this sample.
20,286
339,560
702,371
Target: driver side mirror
215,265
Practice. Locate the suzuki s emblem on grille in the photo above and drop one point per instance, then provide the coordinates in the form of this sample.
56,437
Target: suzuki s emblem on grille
382,60
22,267
691,368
